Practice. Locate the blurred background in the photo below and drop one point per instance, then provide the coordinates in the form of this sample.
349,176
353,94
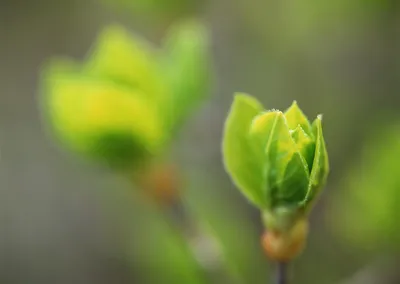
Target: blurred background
65,221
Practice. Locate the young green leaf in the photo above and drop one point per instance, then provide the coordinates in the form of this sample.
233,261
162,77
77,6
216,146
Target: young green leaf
281,165
287,169
242,160
320,166
295,117
293,188
305,145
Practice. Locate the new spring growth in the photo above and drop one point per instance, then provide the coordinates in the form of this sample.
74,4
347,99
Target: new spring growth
279,162
126,100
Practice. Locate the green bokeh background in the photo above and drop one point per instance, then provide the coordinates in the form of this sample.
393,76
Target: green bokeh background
64,221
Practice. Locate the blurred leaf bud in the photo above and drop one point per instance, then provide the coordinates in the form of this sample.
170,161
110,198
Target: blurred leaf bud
124,103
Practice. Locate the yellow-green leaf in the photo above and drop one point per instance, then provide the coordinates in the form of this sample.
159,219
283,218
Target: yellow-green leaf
320,168
287,169
124,58
243,161
101,118
295,117
305,145
187,69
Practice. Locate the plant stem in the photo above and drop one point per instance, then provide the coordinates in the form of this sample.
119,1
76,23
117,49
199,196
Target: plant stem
281,273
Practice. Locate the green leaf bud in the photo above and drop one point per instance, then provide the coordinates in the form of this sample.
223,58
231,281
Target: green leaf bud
277,160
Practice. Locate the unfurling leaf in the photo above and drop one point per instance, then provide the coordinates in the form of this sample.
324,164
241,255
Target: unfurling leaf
277,160
241,157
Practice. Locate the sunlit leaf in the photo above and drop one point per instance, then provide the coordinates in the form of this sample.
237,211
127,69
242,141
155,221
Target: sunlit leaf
242,160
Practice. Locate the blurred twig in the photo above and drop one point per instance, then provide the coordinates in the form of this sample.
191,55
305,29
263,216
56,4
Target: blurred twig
204,247
163,186
281,273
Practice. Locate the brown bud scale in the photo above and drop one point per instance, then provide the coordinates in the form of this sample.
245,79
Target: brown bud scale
161,183
285,246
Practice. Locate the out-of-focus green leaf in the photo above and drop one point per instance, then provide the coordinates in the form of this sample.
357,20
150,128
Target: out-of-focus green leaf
364,211
126,59
187,69
127,98
100,118
244,164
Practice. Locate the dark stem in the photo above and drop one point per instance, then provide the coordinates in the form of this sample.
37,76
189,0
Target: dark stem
281,273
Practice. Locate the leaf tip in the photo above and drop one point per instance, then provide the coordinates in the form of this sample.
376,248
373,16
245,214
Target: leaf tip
294,107
240,96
